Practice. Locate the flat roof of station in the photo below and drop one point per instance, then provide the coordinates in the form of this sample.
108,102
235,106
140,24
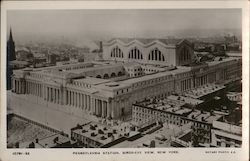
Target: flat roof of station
92,80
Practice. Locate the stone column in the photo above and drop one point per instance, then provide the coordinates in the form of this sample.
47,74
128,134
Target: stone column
76,99
51,94
36,89
72,98
65,98
105,109
108,109
55,95
29,88
13,84
102,107
84,102
92,105
48,94
16,86
44,93
41,90
96,107
58,96
112,109
69,97
26,89
88,102
32,88
19,86
75,96
80,98
58,92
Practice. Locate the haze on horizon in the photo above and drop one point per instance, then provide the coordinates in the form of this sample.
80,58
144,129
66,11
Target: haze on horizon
82,25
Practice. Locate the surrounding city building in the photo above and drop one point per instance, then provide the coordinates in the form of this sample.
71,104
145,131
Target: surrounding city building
93,135
174,113
226,135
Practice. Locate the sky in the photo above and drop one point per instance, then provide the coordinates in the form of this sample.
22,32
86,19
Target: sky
80,25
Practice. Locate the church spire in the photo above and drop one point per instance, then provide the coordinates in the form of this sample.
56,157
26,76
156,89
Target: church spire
11,55
10,36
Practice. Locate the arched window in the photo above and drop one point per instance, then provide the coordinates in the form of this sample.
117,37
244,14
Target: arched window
156,55
135,54
184,54
116,52
98,76
113,75
120,74
106,76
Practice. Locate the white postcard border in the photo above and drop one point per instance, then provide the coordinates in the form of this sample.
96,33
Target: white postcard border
171,153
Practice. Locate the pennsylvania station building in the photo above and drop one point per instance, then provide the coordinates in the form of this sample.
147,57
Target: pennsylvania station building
126,71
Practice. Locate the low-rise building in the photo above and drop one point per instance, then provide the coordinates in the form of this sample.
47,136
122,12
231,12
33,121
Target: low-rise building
52,141
226,135
234,96
94,135
144,114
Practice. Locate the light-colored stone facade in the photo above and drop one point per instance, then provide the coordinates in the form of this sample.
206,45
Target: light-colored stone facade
108,88
169,52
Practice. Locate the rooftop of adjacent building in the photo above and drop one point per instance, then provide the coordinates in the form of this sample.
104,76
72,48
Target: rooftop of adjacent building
101,133
174,105
227,127
48,142
53,140
203,90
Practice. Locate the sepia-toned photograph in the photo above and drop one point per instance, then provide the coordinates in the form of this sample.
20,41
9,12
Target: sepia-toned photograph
124,78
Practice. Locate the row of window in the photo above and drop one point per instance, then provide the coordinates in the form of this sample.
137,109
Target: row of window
229,139
135,54
155,55
122,91
152,81
185,55
142,113
140,69
117,53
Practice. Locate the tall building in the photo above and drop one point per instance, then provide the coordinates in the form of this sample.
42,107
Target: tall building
11,55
